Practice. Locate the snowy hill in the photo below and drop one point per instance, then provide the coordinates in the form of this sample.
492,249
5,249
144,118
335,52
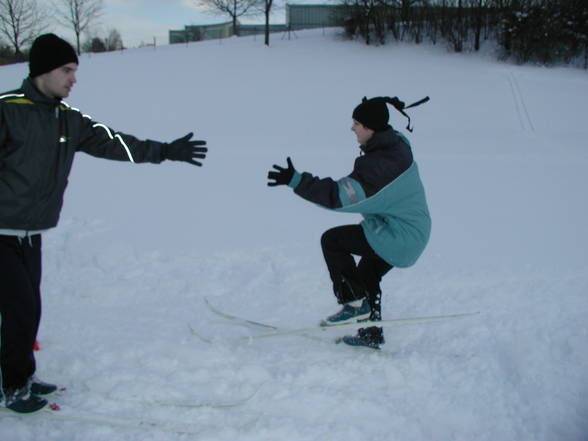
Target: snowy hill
503,155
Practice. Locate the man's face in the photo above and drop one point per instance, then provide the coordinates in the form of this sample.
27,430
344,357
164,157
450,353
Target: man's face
58,82
362,132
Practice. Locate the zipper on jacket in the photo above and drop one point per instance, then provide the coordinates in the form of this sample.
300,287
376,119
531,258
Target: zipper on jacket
61,131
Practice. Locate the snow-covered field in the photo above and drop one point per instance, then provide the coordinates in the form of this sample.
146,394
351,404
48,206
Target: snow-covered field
503,155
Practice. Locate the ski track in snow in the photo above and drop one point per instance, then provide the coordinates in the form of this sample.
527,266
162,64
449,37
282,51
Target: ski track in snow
122,317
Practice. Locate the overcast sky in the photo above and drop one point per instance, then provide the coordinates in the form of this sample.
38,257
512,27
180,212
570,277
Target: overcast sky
143,20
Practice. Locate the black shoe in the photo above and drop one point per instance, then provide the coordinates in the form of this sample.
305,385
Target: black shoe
22,400
39,387
371,337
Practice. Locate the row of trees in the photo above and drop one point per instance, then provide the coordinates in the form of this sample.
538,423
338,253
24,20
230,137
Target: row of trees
112,42
545,31
21,21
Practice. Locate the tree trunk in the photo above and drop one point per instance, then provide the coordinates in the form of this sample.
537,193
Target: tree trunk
78,42
234,14
235,26
478,30
267,29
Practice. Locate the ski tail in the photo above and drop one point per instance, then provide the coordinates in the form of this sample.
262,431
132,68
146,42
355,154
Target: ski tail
237,318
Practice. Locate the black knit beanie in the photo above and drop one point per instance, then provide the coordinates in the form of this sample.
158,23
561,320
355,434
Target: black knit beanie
50,52
373,113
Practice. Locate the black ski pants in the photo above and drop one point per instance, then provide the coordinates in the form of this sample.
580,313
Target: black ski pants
20,307
351,280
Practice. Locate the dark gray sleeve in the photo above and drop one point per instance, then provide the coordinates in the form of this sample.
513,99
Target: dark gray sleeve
2,128
324,191
101,141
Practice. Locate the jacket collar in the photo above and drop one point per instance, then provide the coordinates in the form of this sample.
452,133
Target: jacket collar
380,140
35,95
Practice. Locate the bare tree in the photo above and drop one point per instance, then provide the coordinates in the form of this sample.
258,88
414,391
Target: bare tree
78,14
114,41
20,22
234,8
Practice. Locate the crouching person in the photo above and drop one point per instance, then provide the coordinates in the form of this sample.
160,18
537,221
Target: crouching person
385,187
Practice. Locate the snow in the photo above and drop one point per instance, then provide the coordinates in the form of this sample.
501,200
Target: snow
503,156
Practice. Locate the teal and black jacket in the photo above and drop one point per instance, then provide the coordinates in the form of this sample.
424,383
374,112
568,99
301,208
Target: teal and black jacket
386,189
39,137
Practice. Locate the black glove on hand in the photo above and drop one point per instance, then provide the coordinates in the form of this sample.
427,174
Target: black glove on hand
282,176
182,149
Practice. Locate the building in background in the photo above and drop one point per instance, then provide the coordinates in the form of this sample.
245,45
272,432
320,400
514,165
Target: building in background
297,17
202,32
314,16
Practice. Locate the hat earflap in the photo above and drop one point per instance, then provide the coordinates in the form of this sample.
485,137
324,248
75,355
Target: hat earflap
399,105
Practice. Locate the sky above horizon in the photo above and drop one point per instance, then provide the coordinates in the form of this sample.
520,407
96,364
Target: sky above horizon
143,21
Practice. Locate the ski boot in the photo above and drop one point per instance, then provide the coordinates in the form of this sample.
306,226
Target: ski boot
371,337
22,400
39,387
351,312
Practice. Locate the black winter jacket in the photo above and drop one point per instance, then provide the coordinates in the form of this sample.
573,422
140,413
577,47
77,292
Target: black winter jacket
386,189
386,156
38,139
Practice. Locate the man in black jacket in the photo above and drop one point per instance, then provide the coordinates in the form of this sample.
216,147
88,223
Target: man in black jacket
39,136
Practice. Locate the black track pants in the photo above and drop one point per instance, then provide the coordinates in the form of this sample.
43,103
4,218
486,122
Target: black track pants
353,281
20,307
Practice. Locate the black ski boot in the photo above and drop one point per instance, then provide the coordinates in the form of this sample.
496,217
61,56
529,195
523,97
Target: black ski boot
371,337
22,400
39,387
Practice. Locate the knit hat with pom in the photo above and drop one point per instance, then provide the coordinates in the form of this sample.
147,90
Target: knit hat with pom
373,113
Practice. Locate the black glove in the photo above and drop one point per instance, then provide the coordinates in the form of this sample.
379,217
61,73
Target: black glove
283,176
182,149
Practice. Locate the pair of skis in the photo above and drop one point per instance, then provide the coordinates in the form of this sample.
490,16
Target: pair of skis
274,331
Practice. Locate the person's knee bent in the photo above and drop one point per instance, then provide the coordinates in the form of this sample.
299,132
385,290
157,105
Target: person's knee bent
329,239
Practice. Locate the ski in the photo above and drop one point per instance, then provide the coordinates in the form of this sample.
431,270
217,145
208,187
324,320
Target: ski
238,319
276,331
127,423
241,321
55,412
363,324
190,405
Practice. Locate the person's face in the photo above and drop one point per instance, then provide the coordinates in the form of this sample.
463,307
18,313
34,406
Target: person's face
362,132
58,82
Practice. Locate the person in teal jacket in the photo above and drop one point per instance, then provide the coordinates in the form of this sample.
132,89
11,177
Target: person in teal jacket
386,189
